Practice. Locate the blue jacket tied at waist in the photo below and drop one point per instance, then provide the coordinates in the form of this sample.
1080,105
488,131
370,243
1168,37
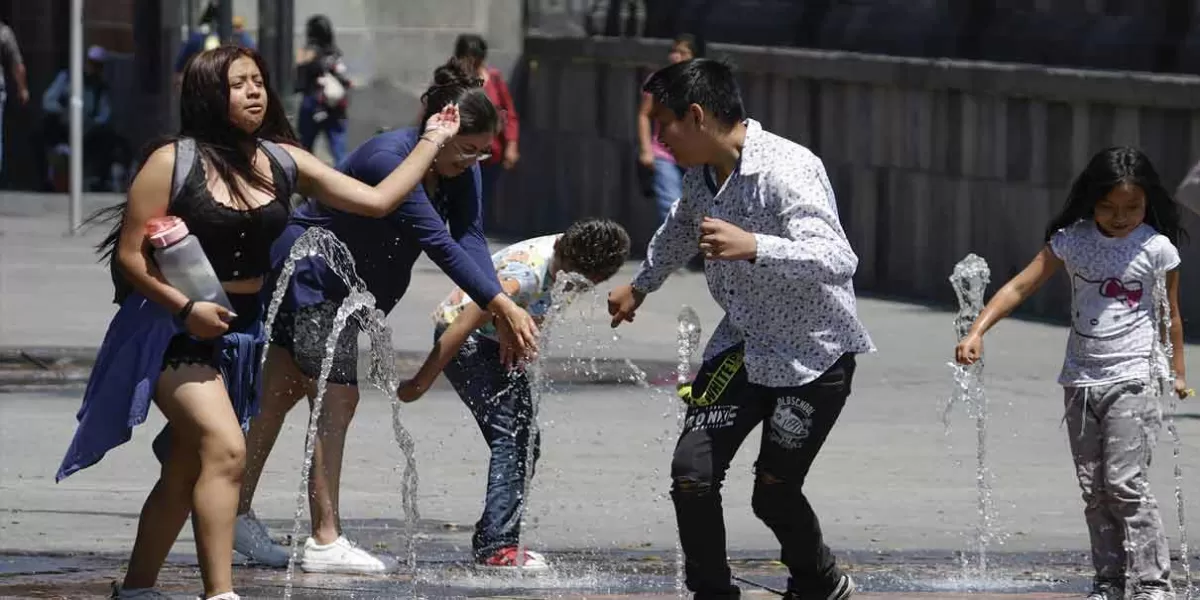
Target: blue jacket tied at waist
123,380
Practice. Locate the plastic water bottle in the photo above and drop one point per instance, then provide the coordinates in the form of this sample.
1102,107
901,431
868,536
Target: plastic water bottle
182,261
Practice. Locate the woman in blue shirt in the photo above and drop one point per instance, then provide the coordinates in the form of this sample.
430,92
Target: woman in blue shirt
384,252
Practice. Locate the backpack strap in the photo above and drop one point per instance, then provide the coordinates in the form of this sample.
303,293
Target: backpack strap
185,157
285,161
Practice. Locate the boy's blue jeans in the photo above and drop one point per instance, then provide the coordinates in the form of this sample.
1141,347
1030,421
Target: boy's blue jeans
502,405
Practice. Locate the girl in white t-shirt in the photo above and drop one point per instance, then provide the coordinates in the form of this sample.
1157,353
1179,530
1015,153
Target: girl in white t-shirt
1115,238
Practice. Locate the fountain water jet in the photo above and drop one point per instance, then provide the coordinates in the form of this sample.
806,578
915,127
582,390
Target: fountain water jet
381,373
970,279
688,340
567,287
1163,373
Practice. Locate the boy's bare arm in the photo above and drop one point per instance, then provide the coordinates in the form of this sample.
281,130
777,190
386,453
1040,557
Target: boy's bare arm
444,349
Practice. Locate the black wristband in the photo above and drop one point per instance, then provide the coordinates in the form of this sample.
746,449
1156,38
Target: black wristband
183,313
425,136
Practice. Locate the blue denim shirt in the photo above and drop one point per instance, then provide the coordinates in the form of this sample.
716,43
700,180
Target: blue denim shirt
123,379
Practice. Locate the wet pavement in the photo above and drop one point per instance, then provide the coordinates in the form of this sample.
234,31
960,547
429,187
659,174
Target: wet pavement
574,575
895,489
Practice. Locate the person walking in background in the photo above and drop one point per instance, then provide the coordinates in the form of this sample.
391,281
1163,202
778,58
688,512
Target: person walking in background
471,52
652,154
14,71
105,152
205,37
321,76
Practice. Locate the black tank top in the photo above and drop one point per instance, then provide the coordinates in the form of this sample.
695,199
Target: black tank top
236,242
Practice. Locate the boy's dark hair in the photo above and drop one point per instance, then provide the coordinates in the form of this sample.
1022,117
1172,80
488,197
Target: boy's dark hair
595,248
702,81
1106,170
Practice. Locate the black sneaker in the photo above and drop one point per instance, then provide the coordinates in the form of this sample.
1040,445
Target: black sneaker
844,589
733,593
1106,590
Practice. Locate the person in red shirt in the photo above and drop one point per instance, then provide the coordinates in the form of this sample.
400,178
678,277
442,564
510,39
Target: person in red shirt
471,51
652,154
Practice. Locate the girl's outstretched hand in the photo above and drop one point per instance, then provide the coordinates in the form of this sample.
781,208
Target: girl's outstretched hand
410,391
968,351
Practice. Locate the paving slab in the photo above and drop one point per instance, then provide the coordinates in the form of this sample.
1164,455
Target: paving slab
895,487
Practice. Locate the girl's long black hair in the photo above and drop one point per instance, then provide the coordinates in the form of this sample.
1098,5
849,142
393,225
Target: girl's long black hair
471,49
318,31
204,116
1108,169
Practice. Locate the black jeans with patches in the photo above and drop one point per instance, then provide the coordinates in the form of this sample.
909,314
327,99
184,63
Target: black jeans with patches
723,407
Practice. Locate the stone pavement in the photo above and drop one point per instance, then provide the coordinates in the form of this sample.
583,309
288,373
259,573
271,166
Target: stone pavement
580,575
895,490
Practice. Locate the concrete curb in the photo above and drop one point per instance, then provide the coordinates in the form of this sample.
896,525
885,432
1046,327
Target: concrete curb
52,368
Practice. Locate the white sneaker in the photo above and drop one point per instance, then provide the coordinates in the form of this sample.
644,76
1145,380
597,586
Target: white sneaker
225,596
252,540
343,556
121,593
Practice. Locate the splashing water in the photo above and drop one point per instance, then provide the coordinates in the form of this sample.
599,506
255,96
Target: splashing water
312,243
355,302
970,280
1163,373
567,287
688,339
383,375
360,306
409,480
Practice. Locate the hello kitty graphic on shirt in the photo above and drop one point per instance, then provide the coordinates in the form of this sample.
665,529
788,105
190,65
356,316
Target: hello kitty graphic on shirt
1107,308
1112,304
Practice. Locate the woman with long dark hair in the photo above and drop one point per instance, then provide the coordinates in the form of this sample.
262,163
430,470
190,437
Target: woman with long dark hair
442,218
228,175
322,78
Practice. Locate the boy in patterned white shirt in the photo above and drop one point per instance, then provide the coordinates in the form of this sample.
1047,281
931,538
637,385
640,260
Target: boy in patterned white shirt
466,347
761,210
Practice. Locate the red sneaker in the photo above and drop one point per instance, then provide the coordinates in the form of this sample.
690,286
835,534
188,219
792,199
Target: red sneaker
506,558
